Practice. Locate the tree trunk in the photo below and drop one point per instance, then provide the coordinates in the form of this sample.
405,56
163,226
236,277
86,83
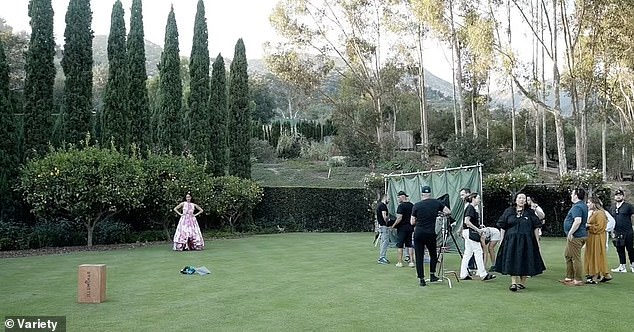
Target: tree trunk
422,101
559,126
90,228
457,70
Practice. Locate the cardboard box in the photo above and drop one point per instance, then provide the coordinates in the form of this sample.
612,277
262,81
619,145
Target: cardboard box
91,283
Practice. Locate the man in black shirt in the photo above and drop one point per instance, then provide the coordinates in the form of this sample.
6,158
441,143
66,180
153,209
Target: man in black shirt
622,212
382,218
404,228
424,215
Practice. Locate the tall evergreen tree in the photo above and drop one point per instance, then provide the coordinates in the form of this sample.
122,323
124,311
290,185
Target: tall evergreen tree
40,79
8,138
218,118
138,102
169,115
77,65
115,116
199,138
239,115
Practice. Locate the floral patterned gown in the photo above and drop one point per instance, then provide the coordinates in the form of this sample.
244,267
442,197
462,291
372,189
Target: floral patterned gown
188,235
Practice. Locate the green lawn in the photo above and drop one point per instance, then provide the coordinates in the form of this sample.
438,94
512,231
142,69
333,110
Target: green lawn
302,282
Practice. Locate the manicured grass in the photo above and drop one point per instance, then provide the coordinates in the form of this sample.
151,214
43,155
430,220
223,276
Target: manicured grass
303,282
293,173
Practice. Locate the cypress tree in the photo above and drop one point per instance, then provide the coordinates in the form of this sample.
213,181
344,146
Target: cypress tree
169,116
138,102
8,138
199,138
40,79
218,118
77,65
239,115
115,116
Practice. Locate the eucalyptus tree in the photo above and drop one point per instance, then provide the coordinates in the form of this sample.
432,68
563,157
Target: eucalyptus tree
550,45
479,40
616,71
402,19
444,18
352,33
40,79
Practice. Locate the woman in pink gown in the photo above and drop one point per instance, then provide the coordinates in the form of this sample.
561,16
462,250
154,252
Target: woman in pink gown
188,235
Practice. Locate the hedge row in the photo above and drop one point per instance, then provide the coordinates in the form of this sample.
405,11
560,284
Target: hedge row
352,210
296,209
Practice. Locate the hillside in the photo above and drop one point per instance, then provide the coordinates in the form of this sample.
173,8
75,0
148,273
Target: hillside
152,54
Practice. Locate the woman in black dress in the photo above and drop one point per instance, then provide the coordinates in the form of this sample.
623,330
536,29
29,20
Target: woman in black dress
519,254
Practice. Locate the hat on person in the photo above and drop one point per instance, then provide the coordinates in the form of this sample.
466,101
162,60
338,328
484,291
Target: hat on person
402,193
425,189
619,192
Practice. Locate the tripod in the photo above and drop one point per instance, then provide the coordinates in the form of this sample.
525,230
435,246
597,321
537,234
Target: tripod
445,233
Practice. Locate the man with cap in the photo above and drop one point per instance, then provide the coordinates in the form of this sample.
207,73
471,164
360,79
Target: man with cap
424,215
622,212
404,229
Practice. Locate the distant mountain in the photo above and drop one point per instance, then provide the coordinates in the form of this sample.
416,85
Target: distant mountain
152,54
504,99
257,66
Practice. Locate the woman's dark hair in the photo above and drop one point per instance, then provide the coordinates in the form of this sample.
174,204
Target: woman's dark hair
469,198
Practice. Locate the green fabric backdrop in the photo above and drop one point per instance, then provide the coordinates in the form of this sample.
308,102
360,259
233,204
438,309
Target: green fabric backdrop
448,181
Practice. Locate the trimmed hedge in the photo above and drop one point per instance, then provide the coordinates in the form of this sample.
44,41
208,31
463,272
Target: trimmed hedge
297,209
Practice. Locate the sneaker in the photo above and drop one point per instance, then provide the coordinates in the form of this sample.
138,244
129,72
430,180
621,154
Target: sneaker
399,264
621,269
411,264
466,278
422,282
382,260
433,278
488,277
633,268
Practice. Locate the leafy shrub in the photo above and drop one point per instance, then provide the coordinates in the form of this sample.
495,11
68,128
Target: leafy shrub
88,185
262,151
169,178
470,151
289,146
110,232
13,235
315,150
234,197
150,236
337,161
314,210
406,161
58,233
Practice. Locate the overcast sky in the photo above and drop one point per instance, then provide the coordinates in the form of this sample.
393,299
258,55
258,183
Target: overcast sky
227,20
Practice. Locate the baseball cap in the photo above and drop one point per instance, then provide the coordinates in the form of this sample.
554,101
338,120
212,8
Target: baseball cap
402,193
618,192
425,189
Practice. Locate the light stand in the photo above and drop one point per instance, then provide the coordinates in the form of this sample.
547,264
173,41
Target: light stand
445,233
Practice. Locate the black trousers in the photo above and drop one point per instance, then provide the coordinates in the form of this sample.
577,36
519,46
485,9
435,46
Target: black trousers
422,241
630,249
